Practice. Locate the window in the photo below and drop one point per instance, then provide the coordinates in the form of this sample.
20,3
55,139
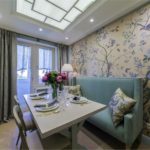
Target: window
45,62
23,54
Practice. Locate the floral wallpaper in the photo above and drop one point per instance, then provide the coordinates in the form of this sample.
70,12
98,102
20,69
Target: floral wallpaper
120,49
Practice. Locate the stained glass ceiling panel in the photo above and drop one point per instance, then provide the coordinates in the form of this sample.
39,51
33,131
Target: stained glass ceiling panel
73,14
31,1
49,10
25,8
56,13
84,4
61,25
64,4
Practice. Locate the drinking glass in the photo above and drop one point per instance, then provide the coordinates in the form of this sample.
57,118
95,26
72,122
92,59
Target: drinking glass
61,101
66,96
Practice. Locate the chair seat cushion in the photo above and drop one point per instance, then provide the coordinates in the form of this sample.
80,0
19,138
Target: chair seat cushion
28,120
103,121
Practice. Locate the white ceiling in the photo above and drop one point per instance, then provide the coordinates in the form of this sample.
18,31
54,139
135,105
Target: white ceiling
103,12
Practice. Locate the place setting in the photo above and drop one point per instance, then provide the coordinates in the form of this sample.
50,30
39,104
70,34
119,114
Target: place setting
48,105
79,100
45,102
47,108
39,96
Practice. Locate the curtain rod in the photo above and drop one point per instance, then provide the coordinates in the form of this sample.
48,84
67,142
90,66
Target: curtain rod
33,38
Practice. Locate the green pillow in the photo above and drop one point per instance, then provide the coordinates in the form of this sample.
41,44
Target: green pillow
120,104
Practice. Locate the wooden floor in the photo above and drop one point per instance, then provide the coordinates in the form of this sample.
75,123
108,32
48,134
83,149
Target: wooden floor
97,140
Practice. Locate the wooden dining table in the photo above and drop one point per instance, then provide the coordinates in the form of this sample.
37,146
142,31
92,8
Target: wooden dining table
67,121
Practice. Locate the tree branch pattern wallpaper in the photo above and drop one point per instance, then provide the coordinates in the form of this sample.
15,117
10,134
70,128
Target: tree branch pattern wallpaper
120,49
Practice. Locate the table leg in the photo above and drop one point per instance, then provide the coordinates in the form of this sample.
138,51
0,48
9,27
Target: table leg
74,131
72,134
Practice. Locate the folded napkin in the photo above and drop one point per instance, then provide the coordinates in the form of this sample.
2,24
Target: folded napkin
42,93
37,98
38,94
49,104
33,95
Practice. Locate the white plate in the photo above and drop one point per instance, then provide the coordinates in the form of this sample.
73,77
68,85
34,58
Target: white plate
44,109
82,100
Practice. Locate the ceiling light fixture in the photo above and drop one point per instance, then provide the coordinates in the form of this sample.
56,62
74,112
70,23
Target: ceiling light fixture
66,38
56,13
40,29
91,20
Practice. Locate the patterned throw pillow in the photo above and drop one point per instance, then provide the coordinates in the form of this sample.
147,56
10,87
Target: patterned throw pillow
120,104
75,90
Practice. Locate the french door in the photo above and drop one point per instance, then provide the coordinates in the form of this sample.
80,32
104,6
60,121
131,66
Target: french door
33,61
42,59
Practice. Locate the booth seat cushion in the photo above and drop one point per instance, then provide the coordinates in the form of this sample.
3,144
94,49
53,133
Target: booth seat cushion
103,120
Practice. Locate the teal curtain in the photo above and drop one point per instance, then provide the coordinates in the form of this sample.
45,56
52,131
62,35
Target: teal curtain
7,73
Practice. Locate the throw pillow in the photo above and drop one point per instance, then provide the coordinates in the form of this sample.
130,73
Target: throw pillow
74,90
120,104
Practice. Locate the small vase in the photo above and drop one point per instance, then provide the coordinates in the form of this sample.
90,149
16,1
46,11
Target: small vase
54,93
61,87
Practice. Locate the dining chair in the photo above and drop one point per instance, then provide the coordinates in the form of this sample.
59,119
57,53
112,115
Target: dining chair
33,141
26,119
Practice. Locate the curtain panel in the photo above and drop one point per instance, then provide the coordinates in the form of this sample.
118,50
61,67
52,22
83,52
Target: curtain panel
7,73
63,55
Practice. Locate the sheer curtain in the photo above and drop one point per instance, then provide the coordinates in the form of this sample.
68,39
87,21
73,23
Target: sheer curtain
7,73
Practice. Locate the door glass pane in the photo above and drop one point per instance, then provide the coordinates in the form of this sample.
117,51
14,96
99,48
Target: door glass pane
45,62
23,62
23,71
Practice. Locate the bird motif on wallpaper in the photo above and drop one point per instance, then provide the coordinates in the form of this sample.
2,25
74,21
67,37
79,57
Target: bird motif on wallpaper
127,69
144,27
116,29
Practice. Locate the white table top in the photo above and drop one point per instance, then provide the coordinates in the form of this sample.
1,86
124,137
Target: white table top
49,123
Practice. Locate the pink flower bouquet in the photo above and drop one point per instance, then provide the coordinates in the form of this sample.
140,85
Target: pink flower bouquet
55,79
